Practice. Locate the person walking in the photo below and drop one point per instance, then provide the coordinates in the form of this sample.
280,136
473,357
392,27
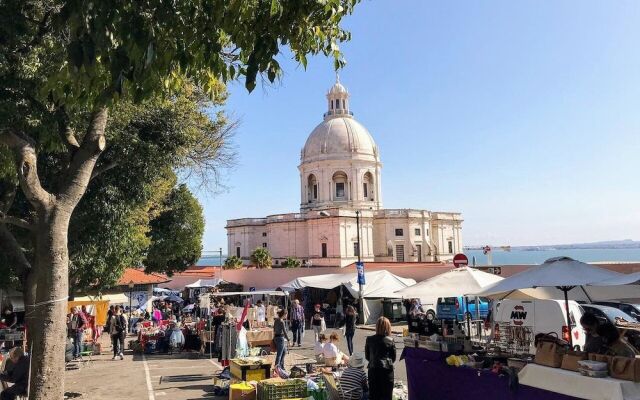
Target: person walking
297,322
317,321
380,351
117,330
350,318
280,337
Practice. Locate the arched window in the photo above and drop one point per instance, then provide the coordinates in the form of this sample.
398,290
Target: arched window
368,190
340,185
312,188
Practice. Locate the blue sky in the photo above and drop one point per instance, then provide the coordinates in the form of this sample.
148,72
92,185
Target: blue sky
524,116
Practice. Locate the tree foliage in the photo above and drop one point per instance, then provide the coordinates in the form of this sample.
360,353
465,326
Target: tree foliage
233,262
261,258
291,262
65,66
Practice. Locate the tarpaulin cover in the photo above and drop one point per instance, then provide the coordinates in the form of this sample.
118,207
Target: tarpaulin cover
430,378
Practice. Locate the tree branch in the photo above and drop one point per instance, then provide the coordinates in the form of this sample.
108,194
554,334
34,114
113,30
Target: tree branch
102,169
19,222
84,160
27,166
65,131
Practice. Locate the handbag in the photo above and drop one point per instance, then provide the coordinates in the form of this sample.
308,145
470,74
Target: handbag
549,349
625,368
570,360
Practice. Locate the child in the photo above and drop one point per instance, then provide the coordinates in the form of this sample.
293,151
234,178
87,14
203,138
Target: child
331,351
319,348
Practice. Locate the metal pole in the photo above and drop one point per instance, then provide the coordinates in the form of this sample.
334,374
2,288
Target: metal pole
221,263
359,260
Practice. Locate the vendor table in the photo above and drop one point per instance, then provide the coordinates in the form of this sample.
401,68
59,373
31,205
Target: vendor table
429,377
574,384
260,337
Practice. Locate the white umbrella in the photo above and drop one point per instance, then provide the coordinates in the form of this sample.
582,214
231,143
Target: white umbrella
562,273
456,282
625,279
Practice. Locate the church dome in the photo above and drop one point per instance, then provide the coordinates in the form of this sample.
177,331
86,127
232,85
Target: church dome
339,136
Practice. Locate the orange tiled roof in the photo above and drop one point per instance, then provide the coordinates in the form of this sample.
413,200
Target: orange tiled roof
139,277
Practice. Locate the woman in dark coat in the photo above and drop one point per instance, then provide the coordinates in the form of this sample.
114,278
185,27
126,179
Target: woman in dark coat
350,319
380,351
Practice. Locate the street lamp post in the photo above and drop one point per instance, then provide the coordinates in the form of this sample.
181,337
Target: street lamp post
131,285
220,263
359,261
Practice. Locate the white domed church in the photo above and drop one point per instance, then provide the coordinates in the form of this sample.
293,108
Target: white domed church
340,188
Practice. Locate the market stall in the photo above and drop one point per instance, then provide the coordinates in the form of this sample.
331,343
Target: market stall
379,285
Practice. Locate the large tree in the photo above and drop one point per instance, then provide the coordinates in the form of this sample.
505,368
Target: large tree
65,64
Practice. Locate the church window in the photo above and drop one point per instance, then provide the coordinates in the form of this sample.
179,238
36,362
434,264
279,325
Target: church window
427,232
366,190
324,250
315,191
419,251
264,245
417,232
450,247
356,249
339,189
238,252
337,104
399,232
264,234
344,104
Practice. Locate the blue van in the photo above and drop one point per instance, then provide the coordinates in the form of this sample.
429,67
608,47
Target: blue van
455,308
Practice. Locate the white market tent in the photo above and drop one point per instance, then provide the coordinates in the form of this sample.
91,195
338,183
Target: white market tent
202,283
378,284
457,282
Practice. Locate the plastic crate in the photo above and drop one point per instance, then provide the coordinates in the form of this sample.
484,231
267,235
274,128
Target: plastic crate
278,389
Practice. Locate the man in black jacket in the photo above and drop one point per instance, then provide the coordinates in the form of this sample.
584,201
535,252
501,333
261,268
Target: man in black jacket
17,373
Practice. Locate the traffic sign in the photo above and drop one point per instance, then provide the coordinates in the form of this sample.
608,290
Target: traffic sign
460,260
360,269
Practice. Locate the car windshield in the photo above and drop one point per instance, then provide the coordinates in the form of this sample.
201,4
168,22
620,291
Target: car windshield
613,313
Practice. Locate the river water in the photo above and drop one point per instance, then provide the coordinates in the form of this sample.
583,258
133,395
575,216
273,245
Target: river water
539,256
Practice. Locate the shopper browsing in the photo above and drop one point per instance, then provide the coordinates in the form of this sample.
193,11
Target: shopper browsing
297,322
380,351
593,342
350,319
353,380
332,355
317,321
280,337
18,374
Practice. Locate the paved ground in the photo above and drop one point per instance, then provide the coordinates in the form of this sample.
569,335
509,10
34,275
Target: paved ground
178,377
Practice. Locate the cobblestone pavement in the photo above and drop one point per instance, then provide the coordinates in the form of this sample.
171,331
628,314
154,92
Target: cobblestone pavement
182,376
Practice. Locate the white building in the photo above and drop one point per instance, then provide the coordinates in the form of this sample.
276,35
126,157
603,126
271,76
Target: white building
340,183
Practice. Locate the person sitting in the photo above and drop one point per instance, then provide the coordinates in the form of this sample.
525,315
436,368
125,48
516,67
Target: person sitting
353,381
593,342
18,374
319,348
614,345
332,355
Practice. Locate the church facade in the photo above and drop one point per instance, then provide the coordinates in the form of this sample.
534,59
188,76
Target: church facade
341,190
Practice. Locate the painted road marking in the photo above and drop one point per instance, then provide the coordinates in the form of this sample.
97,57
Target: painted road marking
148,377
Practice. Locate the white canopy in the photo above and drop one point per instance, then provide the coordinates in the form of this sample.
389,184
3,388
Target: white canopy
544,281
200,283
624,279
456,282
256,292
378,283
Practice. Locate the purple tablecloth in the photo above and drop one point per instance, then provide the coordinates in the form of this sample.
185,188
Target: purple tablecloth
429,377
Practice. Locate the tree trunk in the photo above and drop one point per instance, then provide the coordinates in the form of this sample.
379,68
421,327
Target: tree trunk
49,334
29,286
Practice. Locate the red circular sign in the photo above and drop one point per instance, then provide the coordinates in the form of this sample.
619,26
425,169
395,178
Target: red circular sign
460,260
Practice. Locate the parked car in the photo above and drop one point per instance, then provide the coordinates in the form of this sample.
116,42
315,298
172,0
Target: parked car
456,308
631,309
517,322
611,314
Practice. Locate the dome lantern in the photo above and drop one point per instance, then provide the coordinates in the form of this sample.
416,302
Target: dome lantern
337,101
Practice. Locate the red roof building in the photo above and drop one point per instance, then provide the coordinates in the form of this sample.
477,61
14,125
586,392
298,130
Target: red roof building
139,277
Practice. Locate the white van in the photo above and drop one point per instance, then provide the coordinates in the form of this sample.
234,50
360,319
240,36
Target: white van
515,323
